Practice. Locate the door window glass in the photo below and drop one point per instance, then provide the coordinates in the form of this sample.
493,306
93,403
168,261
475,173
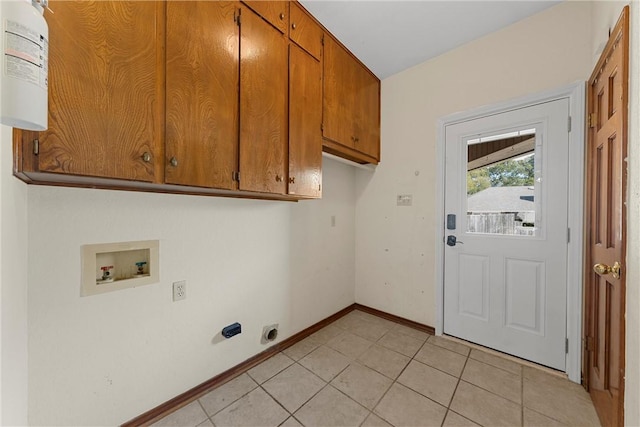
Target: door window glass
503,184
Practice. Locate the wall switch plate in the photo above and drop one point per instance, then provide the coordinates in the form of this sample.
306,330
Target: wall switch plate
404,200
179,290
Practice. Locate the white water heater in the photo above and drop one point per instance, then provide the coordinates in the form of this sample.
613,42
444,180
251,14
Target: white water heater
24,41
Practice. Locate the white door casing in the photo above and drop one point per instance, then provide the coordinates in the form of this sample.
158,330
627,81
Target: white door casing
508,292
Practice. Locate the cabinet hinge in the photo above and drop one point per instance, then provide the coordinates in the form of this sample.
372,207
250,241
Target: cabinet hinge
36,146
236,17
235,176
591,120
566,346
569,124
321,127
322,40
568,235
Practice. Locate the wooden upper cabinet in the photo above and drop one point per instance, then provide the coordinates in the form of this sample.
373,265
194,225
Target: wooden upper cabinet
263,106
367,114
105,90
305,32
202,93
351,106
339,97
305,117
276,12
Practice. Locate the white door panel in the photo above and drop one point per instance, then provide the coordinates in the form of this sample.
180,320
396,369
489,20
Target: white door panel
505,285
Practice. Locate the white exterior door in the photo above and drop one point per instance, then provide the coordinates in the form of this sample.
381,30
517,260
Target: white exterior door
505,257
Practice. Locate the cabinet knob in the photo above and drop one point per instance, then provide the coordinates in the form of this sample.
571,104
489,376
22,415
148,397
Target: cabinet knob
173,162
292,180
293,25
282,15
278,178
146,157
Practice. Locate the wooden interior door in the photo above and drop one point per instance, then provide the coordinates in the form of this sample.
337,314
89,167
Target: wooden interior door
606,219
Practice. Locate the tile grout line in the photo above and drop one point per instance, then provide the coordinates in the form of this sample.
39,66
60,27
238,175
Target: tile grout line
230,403
395,381
456,388
205,412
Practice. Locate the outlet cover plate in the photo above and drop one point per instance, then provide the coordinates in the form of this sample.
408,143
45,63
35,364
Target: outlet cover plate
179,290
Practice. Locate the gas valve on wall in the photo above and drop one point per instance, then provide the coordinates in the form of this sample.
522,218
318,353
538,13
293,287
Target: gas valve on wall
24,39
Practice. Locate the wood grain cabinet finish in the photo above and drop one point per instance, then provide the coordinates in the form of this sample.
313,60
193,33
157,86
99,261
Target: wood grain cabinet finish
305,117
201,97
263,106
105,91
351,106
202,93
305,32
275,12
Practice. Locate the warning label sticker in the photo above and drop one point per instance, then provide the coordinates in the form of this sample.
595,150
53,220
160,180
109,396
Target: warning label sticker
26,54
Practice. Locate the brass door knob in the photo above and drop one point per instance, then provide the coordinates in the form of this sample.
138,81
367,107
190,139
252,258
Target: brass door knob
615,270
146,157
173,162
293,25
604,269
282,15
278,178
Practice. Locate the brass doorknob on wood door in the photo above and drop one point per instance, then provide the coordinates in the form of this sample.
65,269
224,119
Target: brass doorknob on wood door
603,269
173,162
293,25
146,157
282,15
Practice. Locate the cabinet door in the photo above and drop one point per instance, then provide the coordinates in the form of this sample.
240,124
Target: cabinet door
276,12
202,93
305,32
105,90
339,95
263,106
367,113
305,117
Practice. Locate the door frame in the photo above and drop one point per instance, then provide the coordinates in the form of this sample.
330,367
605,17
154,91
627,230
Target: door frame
576,93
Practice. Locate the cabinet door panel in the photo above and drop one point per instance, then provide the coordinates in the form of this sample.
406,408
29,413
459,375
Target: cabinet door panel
305,32
263,106
339,96
202,93
367,114
105,93
305,116
276,12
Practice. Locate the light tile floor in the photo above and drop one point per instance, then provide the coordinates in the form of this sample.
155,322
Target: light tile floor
362,370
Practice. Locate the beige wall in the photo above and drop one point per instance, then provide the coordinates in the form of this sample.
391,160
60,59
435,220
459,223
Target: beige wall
103,359
13,290
395,246
604,17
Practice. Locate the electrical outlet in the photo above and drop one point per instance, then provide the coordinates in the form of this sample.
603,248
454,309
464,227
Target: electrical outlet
179,290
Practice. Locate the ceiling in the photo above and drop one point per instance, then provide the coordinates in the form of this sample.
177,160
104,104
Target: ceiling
392,35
